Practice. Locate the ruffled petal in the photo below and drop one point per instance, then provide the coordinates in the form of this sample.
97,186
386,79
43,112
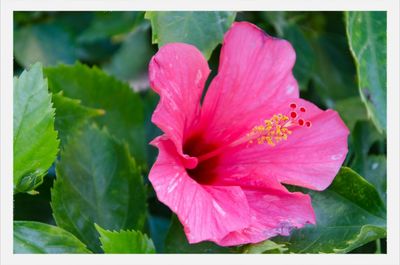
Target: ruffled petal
178,73
206,212
255,72
310,157
273,212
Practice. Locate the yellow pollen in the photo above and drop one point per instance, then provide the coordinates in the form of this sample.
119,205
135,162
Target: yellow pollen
272,132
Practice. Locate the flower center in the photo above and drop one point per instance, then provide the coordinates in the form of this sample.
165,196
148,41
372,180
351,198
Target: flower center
195,146
271,132
274,130
278,128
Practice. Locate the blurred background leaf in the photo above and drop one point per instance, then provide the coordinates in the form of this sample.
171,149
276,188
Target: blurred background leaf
105,25
351,110
130,62
48,44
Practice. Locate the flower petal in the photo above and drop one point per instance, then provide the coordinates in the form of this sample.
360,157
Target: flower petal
206,212
178,73
255,72
274,212
310,157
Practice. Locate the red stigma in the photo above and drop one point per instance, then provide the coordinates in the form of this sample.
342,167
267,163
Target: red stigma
302,109
301,122
308,123
293,105
293,114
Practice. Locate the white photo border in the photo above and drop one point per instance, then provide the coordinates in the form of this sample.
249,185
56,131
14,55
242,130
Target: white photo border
6,135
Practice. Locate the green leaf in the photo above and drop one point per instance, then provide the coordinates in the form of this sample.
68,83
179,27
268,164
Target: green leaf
123,108
97,182
205,30
366,33
108,24
124,241
349,214
333,74
130,62
35,140
35,237
71,115
46,43
176,242
305,62
351,110
266,246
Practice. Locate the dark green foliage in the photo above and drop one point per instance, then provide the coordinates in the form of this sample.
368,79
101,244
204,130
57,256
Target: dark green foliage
97,182
123,109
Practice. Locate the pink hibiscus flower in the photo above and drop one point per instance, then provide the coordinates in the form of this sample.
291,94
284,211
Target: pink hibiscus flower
221,161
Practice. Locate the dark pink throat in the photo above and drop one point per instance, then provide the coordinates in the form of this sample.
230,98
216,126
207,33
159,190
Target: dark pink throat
204,172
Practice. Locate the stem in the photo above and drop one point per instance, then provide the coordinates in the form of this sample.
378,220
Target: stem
378,246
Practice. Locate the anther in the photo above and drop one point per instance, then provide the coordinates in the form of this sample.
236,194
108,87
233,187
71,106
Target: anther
276,129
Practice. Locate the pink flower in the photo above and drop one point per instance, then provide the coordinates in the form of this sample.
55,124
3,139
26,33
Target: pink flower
221,162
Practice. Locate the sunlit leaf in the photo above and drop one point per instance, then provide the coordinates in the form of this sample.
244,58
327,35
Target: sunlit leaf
35,140
125,241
